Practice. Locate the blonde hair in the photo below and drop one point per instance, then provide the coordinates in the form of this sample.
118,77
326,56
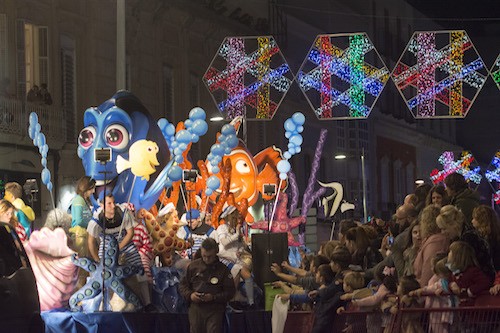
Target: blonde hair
449,216
15,189
428,225
354,280
4,207
463,256
440,267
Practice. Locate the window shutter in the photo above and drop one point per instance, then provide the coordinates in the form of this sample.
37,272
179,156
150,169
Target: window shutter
43,56
20,61
3,46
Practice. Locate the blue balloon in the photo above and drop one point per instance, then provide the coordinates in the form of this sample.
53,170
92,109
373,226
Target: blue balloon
45,176
292,150
179,159
168,183
300,129
178,151
283,176
217,149
175,173
232,141
227,150
208,192
213,183
38,127
288,134
210,156
162,123
197,113
227,129
183,136
215,169
31,131
289,125
283,166
291,145
221,138
296,139
49,186
33,118
182,146
45,150
200,127
298,118
170,129
195,138
287,155
298,150
44,162
174,144
40,140
188,123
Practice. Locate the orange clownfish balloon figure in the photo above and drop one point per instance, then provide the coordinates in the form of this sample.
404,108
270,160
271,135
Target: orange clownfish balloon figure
250,173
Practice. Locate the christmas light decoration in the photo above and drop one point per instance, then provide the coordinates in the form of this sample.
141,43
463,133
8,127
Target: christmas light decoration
342,76
463,166
257,81
493,177
442,75
495,71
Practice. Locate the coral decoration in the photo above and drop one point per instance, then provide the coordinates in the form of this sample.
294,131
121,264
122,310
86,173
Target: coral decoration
55,274
163,231
227,197
114,273
281,222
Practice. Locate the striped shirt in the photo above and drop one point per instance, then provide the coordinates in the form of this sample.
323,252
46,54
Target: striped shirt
142,242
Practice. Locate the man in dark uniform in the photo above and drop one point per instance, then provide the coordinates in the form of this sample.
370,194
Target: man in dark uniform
207,286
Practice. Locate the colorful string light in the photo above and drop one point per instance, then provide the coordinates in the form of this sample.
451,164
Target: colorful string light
495,72
258,80
347,84
493,176
461,166
444,79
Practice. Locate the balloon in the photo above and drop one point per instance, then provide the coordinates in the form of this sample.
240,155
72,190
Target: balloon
298,118
227,151
208,192
232,140
49,186
175,173
298,150
38,127
213,182
215,169
40,140
178,151
31,131
44,162
188,123
289,125
300,129
45,150
162,123
45,176
195,138
174,144
227,129
200,127
182,146
283,176
183,136
179,159
217,149
283,166
296,139
197,113
33,118
221,138
210,156
287,155
170,129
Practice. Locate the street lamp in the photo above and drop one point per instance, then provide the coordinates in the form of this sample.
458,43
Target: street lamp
217,118
363,177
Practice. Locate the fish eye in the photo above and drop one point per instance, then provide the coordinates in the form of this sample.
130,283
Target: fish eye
242,167
86,137
117,136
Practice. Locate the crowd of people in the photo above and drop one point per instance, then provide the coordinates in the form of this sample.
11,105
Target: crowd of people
440,249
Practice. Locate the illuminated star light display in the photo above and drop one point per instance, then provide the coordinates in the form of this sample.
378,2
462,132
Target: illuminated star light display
462,166
440,74
493,176
258,80
495,72
342,76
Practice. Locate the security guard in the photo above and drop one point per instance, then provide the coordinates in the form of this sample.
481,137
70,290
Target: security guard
207,286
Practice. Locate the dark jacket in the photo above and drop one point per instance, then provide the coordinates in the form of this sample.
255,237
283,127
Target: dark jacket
466,201
482,251
325,309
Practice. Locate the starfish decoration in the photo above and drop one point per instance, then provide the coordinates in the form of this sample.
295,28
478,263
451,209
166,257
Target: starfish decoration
281,222
114,273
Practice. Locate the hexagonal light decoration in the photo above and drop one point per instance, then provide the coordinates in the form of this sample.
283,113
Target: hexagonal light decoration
439,74
342,76
465,165
495,71
492,174
248,77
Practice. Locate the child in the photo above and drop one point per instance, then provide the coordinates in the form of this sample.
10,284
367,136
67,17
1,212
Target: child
410,322
353,287
468,279
142,242
437,286
388,286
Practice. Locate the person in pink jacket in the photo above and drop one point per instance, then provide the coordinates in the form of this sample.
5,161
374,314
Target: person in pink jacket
434,242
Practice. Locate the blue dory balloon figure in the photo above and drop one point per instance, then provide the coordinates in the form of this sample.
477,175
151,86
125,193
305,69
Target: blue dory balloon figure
115,125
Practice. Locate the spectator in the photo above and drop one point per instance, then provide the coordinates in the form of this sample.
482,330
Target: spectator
421,193
46,98
207,286
7,215
461,195
437,196
413,244
24,213
34,95
196,231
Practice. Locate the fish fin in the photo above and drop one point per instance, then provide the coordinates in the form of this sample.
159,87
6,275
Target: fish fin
121,164
270,155
267,176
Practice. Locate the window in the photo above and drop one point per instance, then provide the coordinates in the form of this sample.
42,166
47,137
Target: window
3,47
68,85
34,43
168,92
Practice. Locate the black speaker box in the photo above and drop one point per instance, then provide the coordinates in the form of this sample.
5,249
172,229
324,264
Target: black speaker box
268,248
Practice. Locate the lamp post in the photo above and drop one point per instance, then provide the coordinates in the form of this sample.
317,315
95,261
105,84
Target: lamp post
363,178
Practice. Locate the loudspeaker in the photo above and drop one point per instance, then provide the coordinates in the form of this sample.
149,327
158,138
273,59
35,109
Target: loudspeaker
268,248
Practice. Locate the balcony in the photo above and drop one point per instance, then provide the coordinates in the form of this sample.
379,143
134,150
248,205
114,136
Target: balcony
14,122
